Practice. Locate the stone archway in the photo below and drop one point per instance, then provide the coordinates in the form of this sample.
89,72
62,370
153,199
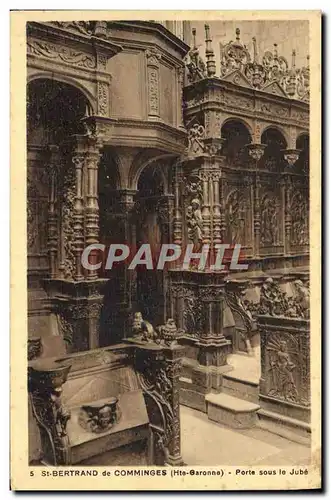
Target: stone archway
57,194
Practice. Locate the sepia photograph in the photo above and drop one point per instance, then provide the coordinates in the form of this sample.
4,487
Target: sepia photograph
168,230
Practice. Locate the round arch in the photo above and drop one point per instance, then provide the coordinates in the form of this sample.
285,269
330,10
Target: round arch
236,136
275,142
302,138
141,162
302,143
240,120
47,75
280,131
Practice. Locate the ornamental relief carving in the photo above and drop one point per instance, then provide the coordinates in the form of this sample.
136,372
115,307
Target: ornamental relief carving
103,98
283,369
32,224
299,211
270,220
237,210
273,109
67,264
238,101
61,53
83,27
153,91
193,215
196,134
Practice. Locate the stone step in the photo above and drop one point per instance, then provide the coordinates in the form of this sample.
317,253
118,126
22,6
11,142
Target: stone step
287,427
231,411
190,395
185,383
241,386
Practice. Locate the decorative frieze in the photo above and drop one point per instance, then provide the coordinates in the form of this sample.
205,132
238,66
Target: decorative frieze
61,53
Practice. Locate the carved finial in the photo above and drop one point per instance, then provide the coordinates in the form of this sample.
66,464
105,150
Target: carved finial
275,51
210,56
308,57
194,33
254,50
293,58
238,34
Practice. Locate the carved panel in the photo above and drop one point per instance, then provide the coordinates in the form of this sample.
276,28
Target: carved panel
299,211
285,368
270,220
153,78
238,101
103,99
61,53
153,91
238,217
68,193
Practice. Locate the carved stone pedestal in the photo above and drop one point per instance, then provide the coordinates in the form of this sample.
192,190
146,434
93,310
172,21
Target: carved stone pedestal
77,307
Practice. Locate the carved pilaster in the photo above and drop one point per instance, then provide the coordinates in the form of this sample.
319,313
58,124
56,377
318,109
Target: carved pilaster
153,57
92,208
45,388
222,205
103,98
205,212
177,222
286,197
217,235
78,216
257,215
164,209
52,211
180,80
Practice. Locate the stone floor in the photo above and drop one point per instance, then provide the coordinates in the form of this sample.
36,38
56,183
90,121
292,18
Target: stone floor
208,443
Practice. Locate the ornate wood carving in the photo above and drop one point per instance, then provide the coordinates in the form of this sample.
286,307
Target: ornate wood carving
99,417
35,348
158,373
285,366
270,220
61,53
45,387
237,213
299,211
153,57
67,194
103,99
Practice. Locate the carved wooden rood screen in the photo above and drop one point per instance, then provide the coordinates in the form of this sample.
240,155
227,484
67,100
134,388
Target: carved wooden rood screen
224,161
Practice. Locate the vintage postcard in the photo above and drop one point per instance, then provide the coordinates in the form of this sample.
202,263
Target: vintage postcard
166,214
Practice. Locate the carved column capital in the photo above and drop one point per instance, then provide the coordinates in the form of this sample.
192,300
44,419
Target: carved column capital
256,151
291,156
